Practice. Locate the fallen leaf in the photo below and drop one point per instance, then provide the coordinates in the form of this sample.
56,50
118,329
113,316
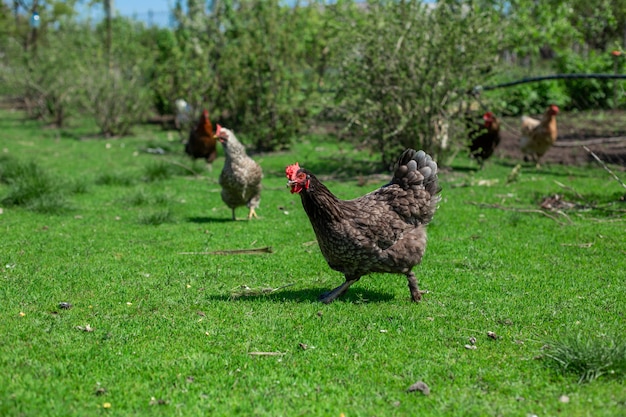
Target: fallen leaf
65,305
564,399
303,346
472,340
492,335
470,347
419,386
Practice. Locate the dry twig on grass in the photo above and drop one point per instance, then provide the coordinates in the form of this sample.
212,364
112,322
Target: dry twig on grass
519,210
255,251
245,291
606,168
184,167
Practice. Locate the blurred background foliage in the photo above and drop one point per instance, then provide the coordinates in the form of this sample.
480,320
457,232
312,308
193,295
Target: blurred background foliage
384,74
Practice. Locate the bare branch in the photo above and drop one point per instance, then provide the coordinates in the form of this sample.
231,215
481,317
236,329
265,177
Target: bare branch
518,210
606,168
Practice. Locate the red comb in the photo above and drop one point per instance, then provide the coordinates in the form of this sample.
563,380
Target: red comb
292,170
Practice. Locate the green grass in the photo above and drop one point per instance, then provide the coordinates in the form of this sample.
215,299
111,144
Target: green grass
589,356
172,332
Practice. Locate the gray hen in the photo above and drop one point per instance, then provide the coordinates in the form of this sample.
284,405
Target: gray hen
383,231
241,176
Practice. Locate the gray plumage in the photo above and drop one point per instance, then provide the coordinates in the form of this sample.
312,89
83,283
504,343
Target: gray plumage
241,176
382,231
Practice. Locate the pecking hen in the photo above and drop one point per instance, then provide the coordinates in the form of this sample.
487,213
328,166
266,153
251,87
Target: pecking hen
202,142
539,135
241,176
383,231
484,136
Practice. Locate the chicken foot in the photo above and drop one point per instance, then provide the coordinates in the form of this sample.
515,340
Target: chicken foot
329,297
252,214
416,294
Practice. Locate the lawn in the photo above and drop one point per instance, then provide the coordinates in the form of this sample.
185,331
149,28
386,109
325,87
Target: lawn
163,320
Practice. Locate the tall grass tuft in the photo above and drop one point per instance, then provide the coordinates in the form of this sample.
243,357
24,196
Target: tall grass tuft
31,187
156,218
589,357
109,178
142,197
158,171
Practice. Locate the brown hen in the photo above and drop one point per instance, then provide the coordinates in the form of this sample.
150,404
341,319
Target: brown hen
241,176
383,231
202,142
539,135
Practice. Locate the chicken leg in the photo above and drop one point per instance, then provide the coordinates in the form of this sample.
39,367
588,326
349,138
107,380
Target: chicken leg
330,296
416,294
252,214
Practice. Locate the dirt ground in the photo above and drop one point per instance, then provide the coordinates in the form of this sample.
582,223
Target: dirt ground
604,133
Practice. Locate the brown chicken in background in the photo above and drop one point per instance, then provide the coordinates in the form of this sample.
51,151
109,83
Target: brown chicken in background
539,135
383,231
202,142
241,176
484,136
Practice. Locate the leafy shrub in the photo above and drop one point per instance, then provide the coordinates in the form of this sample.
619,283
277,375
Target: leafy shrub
529,98
117,99
401,71
590,93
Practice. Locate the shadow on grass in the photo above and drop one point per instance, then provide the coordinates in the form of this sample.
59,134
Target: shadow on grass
203,220
354,296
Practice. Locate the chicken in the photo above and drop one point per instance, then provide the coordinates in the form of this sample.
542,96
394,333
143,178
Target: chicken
539,135
184,116
382,231
241,176
484,136
202,142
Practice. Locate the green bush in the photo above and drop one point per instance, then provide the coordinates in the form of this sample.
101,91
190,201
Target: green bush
404,66
529,98
590,93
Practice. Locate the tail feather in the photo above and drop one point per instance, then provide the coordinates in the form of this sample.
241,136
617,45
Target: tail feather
416,168
416,171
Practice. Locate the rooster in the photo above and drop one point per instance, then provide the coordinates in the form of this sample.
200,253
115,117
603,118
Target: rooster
241,176
383,231
484,136
202,142
539,135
